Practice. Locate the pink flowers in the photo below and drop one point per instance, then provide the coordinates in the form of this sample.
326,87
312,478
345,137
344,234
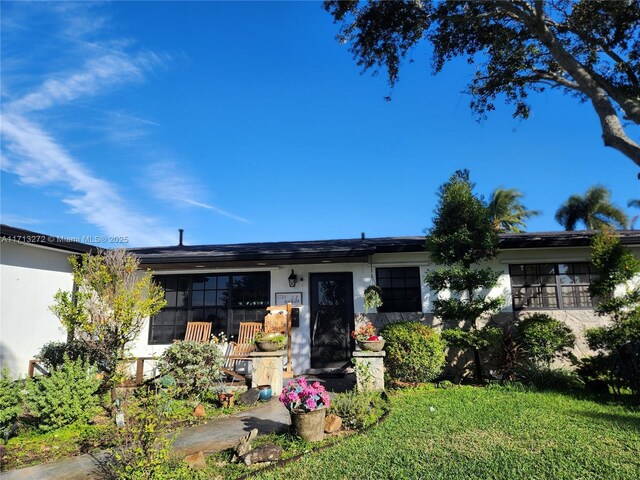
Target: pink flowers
365,332
300,395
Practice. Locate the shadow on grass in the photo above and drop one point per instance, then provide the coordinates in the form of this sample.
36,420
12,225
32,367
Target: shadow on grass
625,421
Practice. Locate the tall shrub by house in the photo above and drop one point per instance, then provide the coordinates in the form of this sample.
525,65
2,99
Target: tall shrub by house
616,288
108,310
544,339
461,239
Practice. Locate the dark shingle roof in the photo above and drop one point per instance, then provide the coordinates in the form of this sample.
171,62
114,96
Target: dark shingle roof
347,249
19,235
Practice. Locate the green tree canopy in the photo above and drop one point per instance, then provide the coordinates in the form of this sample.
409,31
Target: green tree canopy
463,236
594,210
507,212
587,49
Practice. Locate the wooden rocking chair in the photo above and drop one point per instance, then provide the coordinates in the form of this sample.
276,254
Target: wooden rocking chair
240,350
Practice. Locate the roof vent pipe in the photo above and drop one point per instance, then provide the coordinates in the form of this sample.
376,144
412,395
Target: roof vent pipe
362,236
181,231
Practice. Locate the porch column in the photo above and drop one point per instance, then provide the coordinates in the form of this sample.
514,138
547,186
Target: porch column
267,369
369,368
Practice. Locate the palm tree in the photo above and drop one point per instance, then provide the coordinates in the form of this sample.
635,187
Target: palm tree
595,210
506,211
633,203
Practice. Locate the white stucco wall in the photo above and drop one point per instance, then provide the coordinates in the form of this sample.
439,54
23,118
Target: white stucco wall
29,278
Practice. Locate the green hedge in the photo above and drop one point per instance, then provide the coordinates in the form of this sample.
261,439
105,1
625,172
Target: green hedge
415,352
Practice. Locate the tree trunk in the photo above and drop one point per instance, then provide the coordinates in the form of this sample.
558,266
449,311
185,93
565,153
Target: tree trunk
476,358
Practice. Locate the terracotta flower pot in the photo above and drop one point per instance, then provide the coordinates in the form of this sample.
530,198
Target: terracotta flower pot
309,425
371,345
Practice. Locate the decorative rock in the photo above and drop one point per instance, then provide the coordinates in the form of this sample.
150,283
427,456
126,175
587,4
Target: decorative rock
244,446
332,423
266,453
199,411
196,461
250,397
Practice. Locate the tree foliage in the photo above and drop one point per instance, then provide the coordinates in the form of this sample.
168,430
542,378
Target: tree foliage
544,338
587,49
594,210
463,236
109,308
507,212
618,293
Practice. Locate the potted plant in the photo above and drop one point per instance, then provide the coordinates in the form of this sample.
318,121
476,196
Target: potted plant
307,404
270,342
372,297
367,337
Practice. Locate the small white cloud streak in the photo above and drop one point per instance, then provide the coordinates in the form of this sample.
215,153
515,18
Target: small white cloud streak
166,184
98,74
10,219
215,209
42,161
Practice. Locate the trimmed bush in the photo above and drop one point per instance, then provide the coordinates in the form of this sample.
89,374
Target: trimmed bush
10,402
64,397
194,366
544,338
415,352
52,353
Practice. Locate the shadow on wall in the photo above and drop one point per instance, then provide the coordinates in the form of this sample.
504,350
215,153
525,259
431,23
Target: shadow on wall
8,359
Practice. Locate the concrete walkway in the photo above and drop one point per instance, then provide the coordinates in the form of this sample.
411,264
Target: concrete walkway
216,435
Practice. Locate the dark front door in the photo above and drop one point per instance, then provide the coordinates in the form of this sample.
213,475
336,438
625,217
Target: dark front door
331,319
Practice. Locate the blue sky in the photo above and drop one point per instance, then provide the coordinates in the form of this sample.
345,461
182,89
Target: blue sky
245,122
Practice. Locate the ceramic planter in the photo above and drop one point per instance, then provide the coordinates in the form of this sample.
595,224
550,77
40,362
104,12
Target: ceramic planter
371,345
309,425
268,346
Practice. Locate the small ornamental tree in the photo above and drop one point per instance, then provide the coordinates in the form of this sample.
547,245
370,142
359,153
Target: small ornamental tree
461,238
108,309
618,294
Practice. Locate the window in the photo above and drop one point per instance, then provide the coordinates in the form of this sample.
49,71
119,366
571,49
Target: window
225,300
550,285
400,289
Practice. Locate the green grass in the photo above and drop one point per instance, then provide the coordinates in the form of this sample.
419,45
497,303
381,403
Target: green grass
484,433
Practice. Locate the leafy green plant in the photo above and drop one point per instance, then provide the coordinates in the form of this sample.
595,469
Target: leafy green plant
549,378
359,410
111,304
461,240
544,338
11,400
194,366
52,354
415,352
144,448
619,299
279,338
67,395
372,297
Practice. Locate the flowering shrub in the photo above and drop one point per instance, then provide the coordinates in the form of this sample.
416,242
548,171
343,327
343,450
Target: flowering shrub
300,395
365,332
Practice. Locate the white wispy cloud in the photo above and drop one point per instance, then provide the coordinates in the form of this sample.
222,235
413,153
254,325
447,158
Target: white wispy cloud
40,160
11,219
97,75
166,184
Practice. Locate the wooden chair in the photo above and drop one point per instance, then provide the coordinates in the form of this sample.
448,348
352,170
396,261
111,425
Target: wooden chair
198,332
278,320
240,350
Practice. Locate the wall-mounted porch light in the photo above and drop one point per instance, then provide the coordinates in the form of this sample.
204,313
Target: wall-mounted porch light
292,279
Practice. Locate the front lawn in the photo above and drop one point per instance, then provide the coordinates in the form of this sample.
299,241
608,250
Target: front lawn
492,432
